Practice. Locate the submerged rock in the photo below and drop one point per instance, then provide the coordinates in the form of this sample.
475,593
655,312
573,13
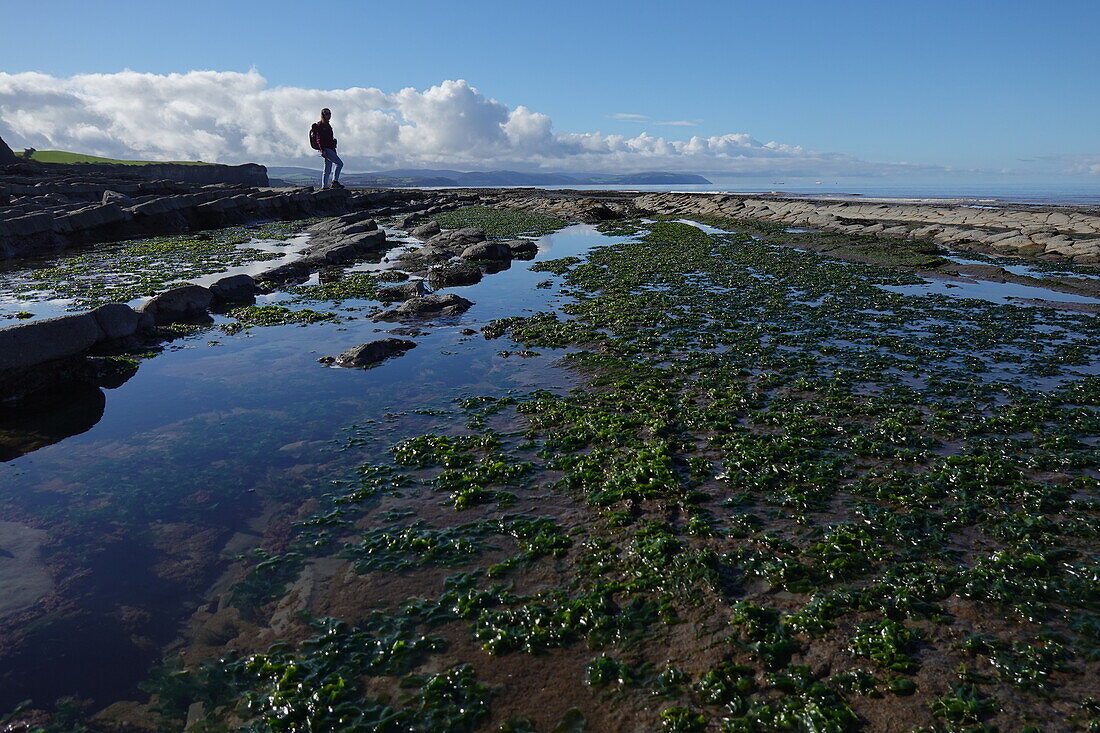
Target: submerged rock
373,352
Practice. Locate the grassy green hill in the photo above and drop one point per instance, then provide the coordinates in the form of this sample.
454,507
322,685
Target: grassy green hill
61,156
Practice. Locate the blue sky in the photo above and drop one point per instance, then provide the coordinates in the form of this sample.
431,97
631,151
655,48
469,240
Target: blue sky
965,85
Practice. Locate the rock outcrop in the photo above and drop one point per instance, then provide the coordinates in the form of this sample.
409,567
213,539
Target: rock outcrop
338,241
42,355
6,154
36,222
1072,235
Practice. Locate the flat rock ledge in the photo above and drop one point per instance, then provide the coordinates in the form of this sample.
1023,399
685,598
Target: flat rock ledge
1033,232
45,353
45,209
338,241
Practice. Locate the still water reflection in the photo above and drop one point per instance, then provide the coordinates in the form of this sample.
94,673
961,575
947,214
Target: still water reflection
134,494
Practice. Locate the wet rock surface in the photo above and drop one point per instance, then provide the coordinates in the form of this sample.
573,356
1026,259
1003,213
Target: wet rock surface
234,289
522,247
426,231
454,274
403,291
374,352
185,304
445,304
496,251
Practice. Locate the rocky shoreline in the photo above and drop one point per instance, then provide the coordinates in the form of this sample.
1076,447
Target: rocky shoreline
413,241
1039,232
46,210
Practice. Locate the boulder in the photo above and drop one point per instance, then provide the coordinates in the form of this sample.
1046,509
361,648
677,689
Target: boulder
234,289
495,251
521,247
369,241
182,304
333,253
119,321
457,274
29,344
289,272
428,254
105,372
368,354
458,239
435,304
426,231
402,292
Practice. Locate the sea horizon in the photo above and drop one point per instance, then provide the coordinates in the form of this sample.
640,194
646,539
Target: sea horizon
979,192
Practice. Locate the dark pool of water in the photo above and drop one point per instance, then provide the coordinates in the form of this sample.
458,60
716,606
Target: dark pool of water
243,418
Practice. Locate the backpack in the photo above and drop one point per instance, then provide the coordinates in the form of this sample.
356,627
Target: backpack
313,138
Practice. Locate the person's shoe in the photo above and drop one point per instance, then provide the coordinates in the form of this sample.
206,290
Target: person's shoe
336,184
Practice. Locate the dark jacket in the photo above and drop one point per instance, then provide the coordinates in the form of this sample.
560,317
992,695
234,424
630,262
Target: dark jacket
322,132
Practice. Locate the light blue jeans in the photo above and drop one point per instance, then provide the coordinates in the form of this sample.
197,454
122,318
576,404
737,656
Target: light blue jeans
330,156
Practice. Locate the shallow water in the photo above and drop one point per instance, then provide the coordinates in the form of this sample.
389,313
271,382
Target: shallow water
992,292
212,432
1027,270
218,425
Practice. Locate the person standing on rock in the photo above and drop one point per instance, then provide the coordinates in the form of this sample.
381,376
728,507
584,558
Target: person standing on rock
321,138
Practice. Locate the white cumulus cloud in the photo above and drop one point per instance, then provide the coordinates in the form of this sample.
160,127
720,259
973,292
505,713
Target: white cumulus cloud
233,117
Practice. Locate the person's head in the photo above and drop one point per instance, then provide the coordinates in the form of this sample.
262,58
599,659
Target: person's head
326,113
